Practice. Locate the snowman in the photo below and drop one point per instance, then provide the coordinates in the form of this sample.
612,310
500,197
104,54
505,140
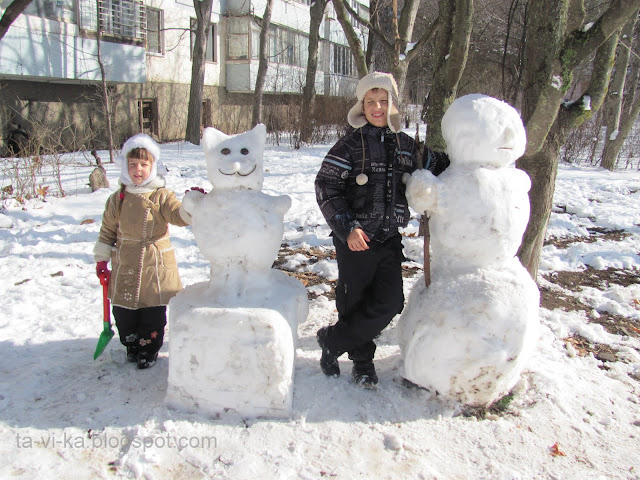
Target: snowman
233,338
468,335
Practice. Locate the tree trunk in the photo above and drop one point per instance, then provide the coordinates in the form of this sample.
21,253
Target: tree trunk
307,111
262,65
374,5
615,99
613,146
203,25
552,56
452,49
352,37
452,42
13,11
105,90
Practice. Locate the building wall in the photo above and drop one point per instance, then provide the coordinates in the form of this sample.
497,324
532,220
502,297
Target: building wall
175,64
40,48
50,81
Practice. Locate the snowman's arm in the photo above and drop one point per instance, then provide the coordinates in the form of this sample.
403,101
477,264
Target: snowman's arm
189,203
422,191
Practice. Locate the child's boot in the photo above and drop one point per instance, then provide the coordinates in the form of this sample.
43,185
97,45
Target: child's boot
146,359
132,353
328,361
364,374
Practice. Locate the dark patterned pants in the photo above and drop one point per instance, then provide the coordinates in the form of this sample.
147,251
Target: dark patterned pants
142,329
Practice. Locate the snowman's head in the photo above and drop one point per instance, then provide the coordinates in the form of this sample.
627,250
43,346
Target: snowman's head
484,131
235,161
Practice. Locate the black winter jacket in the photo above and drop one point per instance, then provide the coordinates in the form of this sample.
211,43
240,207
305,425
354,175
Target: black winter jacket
380,206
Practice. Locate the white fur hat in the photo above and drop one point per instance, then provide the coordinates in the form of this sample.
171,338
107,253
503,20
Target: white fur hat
356,117
141,140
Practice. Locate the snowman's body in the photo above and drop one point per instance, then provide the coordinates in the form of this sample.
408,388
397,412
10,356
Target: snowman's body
486,230
469,333
233,338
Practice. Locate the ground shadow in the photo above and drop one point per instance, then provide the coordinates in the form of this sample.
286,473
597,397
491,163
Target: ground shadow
58,384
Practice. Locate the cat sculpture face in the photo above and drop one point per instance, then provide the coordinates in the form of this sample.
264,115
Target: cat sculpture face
235,161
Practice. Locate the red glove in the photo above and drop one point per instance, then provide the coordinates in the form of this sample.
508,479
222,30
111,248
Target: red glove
101,269
199,189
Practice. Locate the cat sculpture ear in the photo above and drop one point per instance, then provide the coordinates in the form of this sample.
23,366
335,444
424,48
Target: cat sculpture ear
235,161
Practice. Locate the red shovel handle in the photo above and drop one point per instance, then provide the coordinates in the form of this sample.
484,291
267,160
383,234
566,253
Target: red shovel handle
104,281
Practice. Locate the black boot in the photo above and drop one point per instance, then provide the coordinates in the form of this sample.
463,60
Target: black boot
132,353
364,374
146,359
328,360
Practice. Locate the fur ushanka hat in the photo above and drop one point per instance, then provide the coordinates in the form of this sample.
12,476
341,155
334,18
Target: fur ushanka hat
140,140
386,81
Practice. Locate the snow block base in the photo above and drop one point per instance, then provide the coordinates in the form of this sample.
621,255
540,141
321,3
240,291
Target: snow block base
233,357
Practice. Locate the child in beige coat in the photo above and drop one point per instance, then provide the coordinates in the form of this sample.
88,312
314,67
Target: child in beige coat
135,236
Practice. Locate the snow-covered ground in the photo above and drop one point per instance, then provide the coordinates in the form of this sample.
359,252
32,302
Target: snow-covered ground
64,415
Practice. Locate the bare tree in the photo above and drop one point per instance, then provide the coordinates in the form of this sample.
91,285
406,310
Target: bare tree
353,39
621,108
13,11
196,92
263,63
398,44
557,42
307,110
451,52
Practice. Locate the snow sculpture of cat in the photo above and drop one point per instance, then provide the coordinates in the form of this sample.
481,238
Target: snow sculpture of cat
233,338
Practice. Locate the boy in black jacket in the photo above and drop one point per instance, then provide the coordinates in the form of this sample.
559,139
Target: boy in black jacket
361,192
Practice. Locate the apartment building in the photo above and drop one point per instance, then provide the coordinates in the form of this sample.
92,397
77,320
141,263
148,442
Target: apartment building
53,62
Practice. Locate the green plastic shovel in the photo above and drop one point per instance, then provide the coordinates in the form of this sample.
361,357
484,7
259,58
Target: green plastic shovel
107,331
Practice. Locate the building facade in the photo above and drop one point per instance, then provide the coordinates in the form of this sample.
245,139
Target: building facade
60,57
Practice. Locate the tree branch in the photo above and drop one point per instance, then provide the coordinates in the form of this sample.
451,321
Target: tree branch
426,37
12,12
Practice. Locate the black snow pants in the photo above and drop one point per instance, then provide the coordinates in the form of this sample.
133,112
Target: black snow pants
142,329
368,296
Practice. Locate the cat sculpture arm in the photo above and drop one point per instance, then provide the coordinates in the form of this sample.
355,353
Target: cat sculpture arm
282,204
190,201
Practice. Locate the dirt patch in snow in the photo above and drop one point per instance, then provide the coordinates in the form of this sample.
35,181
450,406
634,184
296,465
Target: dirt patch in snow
563,294
569,285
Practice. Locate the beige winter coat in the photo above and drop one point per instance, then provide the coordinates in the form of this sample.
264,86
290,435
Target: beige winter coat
144,268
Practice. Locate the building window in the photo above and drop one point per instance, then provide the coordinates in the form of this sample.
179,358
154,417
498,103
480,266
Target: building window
155,34
342,61
148,115
288,47
238,39
122,18
210,47
61,10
